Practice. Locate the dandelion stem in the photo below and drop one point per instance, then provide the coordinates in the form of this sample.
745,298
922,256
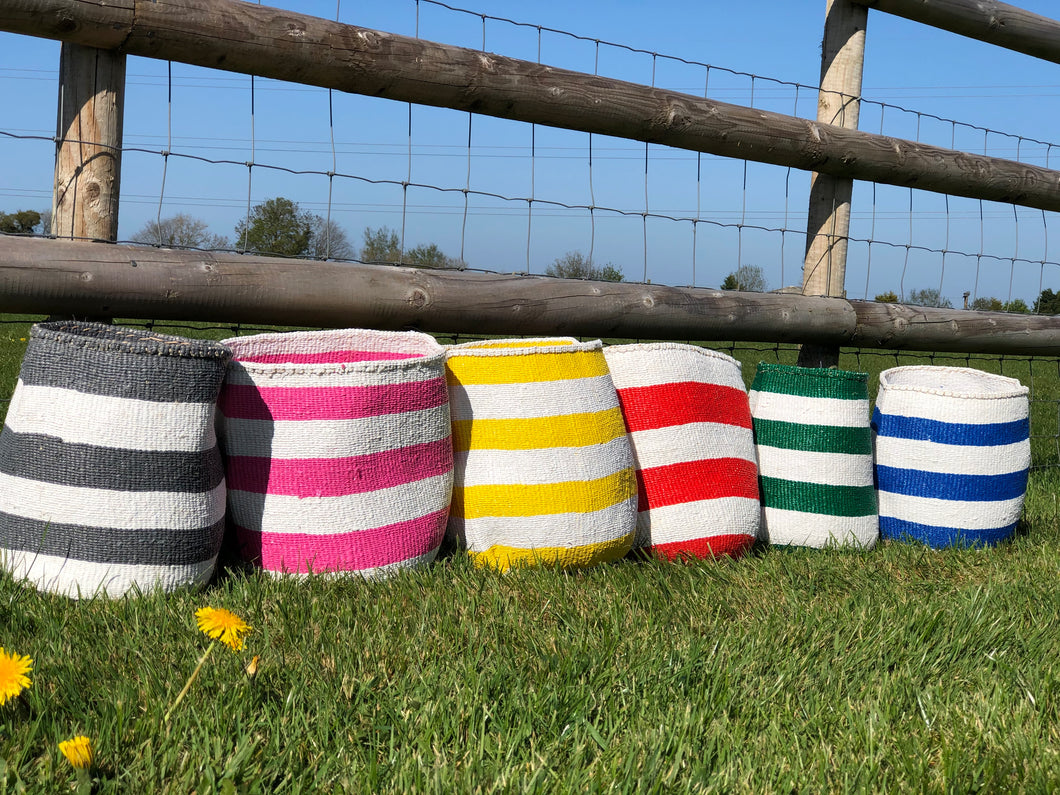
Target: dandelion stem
187,685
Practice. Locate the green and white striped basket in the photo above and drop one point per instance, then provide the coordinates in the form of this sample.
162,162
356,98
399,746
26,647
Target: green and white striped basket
814,448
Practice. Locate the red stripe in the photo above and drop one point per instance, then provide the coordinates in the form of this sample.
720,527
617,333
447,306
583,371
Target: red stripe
286,403
326,357
336,477
353,551
691,481
732,545
664,405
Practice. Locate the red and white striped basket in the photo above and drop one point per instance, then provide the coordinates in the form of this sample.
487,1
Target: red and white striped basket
689,424
338,450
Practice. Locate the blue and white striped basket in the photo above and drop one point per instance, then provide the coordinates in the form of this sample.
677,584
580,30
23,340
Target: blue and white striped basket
952,455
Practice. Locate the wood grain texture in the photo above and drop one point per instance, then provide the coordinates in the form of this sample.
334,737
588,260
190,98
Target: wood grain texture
91,279
252,39
986,20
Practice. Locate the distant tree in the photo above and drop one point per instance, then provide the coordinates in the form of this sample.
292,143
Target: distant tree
575,265
747,278
329,240
20,222
1017,305
1048,303
889,297
380,245
179,231
988,304
929,296
279,227
430,256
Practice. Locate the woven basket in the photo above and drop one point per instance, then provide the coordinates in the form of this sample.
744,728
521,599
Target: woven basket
338,450
544,471
110,476
814,456
689,423
952,455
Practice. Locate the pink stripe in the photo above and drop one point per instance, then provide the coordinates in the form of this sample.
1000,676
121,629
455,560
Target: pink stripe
289,403
360,549
327,357
337,477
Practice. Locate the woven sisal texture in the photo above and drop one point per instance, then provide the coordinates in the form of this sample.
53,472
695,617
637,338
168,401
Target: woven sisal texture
544,471
689,423
338,450
110,476
814,446
952,455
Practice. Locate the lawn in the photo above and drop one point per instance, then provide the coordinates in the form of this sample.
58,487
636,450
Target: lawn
900,669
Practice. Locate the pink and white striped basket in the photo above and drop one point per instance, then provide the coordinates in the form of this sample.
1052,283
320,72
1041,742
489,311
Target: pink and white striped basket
689,422
338,450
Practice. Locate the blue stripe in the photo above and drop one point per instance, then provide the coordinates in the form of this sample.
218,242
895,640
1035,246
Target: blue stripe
947,486
986,435
901,530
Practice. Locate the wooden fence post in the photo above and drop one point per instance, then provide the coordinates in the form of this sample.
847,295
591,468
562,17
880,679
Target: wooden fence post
828,217
88,143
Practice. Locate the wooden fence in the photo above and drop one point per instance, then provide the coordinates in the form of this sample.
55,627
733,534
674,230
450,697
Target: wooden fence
90,279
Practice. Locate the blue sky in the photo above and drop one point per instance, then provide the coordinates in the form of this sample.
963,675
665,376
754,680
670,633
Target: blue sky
746,213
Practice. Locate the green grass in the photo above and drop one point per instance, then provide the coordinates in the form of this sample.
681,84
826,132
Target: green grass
898,670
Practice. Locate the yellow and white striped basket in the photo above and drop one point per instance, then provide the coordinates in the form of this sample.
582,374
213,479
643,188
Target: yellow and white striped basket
544,469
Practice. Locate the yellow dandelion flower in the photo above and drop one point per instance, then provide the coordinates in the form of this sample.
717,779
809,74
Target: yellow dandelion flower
223,625
13,675
78,752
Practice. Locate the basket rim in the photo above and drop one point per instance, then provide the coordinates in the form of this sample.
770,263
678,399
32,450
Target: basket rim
107,338
1016,387
433,352
635,347
812,372
467,349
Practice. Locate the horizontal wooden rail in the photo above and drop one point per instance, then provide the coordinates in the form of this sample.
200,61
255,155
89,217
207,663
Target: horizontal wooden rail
43,276
986,20
264,41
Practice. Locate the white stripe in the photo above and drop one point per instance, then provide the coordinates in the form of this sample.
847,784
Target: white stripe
519,347
951,408
690,521
810,411
374,573
950,513
79,578
954,459
377,373
303,342
528,400
333,438
832,469
324,516
818,530
693,441
542,465
122,510
81,418
652,364
549,530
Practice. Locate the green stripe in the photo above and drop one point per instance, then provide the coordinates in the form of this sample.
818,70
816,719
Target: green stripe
811,382
813,438
797,495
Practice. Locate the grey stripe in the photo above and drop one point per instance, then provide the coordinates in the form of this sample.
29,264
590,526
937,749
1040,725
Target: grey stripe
144,372
49,459
143,547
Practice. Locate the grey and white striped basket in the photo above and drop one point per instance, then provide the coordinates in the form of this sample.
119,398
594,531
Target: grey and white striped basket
110,476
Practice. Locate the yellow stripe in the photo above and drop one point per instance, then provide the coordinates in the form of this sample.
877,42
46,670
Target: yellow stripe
503,558
538,433
572,496
463,369
534,343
